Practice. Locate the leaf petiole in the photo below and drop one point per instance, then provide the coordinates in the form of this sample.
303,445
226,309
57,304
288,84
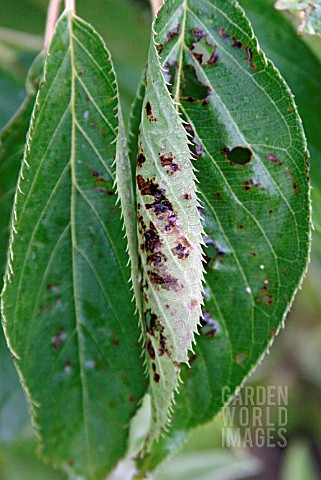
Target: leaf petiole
156,4
70,6
52,17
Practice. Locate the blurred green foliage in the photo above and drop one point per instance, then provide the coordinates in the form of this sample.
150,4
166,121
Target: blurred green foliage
296,355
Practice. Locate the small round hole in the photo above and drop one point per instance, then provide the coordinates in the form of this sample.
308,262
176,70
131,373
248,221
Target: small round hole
238,156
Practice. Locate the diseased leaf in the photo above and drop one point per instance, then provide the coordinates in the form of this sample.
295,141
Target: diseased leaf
66,301
170,236
310,11
252,170
12,142
13,407
298,65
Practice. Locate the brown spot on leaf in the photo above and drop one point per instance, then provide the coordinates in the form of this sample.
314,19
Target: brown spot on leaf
241,358
167,161
173,33
264,296
182,249
165,280
57,341
140,160
161,206
223,34
150,350
273,159
149,112
249,54
236,43
152,239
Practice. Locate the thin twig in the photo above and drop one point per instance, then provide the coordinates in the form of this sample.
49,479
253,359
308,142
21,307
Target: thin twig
52,17
156,4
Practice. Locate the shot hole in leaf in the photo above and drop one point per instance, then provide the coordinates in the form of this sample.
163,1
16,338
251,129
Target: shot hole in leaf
238,156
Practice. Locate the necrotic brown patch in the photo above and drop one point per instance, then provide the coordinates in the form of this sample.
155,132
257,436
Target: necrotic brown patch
182,249
168,162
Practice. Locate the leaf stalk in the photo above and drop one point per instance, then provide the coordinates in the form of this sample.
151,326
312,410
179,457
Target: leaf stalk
52,17
156,4
70,6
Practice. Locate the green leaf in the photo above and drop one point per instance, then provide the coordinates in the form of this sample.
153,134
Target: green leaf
12,142
251,169
299,462
310,10
21,461
13,408
126,33
67,305
15,61
11,94
14,413
209,465
170,238
297,64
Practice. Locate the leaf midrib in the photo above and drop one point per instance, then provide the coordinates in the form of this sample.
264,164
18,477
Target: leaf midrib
82,375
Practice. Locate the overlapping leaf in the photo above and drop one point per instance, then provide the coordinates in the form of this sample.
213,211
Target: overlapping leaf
13,407
170,236
310,11
251,163
67,303
298,65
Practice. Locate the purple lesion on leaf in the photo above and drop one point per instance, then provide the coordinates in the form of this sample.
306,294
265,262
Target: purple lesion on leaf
161,206
209,326
157,270
182,249
168,162
58,339
174,32
273,159
238,44
196,147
